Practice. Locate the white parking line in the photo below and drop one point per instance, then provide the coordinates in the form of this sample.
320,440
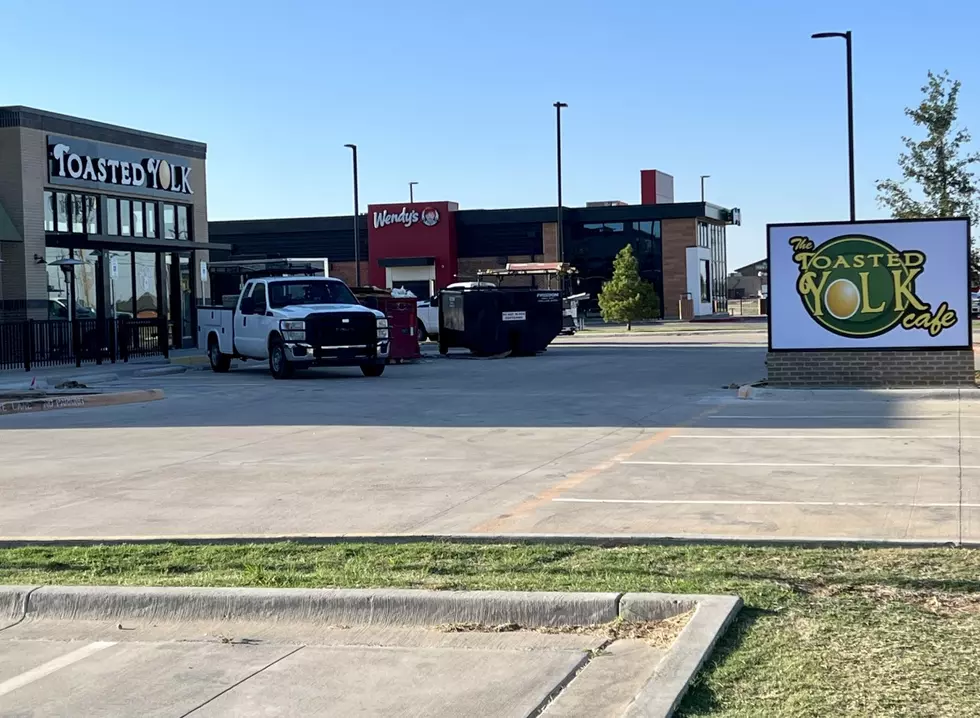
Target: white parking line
770,417
681,502
821,437
789,465
55,664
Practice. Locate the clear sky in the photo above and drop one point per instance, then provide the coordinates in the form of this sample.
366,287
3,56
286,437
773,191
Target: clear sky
457,95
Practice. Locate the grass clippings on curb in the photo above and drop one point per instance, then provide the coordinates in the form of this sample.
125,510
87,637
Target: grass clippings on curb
824,632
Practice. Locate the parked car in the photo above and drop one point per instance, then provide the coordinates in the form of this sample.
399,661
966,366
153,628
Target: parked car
975,304
295,323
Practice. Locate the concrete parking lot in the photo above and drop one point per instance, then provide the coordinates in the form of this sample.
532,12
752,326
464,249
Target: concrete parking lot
605,435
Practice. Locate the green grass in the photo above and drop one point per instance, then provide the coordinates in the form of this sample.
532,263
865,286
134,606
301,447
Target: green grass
823,633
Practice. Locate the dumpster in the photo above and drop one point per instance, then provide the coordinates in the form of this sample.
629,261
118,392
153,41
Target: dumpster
402,313
494,321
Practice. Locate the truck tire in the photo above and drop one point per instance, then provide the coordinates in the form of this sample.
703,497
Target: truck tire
372,369
279,366
220,363
423,336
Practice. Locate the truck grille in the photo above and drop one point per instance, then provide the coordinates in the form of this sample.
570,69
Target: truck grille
341,329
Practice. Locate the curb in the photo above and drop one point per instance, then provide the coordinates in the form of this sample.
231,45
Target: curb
79,401
161,370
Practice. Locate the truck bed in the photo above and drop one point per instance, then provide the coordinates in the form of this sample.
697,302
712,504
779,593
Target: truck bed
219,320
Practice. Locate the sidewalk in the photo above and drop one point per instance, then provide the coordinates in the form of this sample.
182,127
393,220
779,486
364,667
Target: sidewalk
91,373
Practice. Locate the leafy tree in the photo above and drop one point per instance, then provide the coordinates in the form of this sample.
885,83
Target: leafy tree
937,165
627,297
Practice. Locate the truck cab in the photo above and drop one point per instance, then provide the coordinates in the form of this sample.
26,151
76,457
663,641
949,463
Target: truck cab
294,323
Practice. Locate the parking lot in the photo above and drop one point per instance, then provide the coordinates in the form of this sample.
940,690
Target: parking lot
602,435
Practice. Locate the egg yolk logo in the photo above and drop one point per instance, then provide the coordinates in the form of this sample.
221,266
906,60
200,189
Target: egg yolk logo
859,286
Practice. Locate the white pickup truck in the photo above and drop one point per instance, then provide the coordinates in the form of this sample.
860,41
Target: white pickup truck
295,323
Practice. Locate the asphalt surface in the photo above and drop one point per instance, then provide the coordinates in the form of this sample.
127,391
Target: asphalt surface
606,435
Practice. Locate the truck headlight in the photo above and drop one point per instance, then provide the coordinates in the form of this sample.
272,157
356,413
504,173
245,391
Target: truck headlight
293,325
294,336
382,328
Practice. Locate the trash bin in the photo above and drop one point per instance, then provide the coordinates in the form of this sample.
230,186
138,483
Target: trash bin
494,321
402,313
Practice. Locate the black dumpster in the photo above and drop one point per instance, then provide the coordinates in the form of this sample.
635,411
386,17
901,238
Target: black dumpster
491,321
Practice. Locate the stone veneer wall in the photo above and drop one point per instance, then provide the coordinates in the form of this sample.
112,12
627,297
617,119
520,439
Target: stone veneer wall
896,368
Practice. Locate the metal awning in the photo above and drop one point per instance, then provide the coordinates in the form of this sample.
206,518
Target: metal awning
407,262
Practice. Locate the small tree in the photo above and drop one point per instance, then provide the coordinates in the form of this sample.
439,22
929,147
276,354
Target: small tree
937,165
627,297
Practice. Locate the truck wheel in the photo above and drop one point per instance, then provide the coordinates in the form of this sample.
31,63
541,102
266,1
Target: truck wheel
279,366
220,363
423,335
372,369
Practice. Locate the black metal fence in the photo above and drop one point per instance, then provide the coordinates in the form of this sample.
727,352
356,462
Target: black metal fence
53,342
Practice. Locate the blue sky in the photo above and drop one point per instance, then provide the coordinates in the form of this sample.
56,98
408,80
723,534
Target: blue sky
457,96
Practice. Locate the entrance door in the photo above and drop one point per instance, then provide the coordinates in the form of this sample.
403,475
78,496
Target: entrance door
179,289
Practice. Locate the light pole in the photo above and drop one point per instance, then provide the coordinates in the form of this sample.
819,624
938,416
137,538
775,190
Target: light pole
560,238
850,108
703,178
357,222
411,192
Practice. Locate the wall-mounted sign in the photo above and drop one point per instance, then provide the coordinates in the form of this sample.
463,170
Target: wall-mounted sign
83,163
869,285
407,217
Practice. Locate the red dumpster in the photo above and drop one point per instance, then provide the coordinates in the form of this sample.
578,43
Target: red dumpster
402,313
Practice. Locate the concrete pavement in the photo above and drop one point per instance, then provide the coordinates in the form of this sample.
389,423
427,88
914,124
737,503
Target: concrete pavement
616,436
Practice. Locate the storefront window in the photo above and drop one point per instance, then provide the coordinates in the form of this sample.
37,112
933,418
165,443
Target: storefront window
62,210
48,212
147,302
121,286
137,219
112,216
705,280
57,287
151,219
86,283
125,218
77,214
183,228
169,222
91,214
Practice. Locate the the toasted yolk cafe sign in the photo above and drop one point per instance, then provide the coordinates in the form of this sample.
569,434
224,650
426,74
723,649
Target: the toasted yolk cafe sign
859,286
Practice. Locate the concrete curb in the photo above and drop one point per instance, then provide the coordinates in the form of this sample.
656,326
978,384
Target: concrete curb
857,394
161,370
79,401
602,540
13,604
713,615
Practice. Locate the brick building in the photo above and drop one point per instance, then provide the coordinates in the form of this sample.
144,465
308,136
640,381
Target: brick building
129,206
680,246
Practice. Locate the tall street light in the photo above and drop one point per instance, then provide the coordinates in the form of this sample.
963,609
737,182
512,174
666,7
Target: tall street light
411,192
357,222
850,108
703,178
561,242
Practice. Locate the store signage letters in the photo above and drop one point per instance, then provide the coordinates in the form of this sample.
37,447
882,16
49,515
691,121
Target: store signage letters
146,172
407,217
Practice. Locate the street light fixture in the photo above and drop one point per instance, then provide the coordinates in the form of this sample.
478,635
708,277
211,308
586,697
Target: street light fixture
560,239
357,222
703,178
411,192
850,107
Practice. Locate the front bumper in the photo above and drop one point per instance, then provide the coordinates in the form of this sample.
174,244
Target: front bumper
341,355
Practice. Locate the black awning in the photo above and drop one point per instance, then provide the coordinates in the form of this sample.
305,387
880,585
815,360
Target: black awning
407,262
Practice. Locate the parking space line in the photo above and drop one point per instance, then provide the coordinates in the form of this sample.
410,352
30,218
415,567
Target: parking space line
683,502
55,664
791,465
888,417
821,437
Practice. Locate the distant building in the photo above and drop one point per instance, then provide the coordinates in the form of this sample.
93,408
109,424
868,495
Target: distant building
752,280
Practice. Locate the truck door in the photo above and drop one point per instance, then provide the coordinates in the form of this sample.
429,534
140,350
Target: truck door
247,321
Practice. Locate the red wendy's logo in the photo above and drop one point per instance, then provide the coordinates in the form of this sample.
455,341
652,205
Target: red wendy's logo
430,216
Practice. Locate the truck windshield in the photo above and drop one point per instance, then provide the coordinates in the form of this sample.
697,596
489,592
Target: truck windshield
285,294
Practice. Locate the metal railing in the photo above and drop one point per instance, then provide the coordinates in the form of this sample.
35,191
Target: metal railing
55,342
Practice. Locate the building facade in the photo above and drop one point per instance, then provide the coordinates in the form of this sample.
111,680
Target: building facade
129,207
425,246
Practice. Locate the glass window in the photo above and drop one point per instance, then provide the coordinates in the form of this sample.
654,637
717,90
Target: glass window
77,214
112,216
151,219
258,294
48,212
183,228
282,294
705,281
147,305
62,209
169,222
57,287
91,214
125,218
86,286
137,219
121,286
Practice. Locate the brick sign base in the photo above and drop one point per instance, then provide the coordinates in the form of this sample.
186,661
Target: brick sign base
941,367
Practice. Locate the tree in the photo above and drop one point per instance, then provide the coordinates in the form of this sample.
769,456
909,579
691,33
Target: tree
938,165
627,297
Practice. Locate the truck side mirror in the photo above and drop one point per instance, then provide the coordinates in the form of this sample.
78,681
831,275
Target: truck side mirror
247,306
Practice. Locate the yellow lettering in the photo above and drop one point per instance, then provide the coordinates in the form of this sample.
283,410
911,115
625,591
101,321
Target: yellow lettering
904,296
894,260
800,243
808,285
914,259
803,259
859,261
821,262
866,297
935,324
841,262
875,258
